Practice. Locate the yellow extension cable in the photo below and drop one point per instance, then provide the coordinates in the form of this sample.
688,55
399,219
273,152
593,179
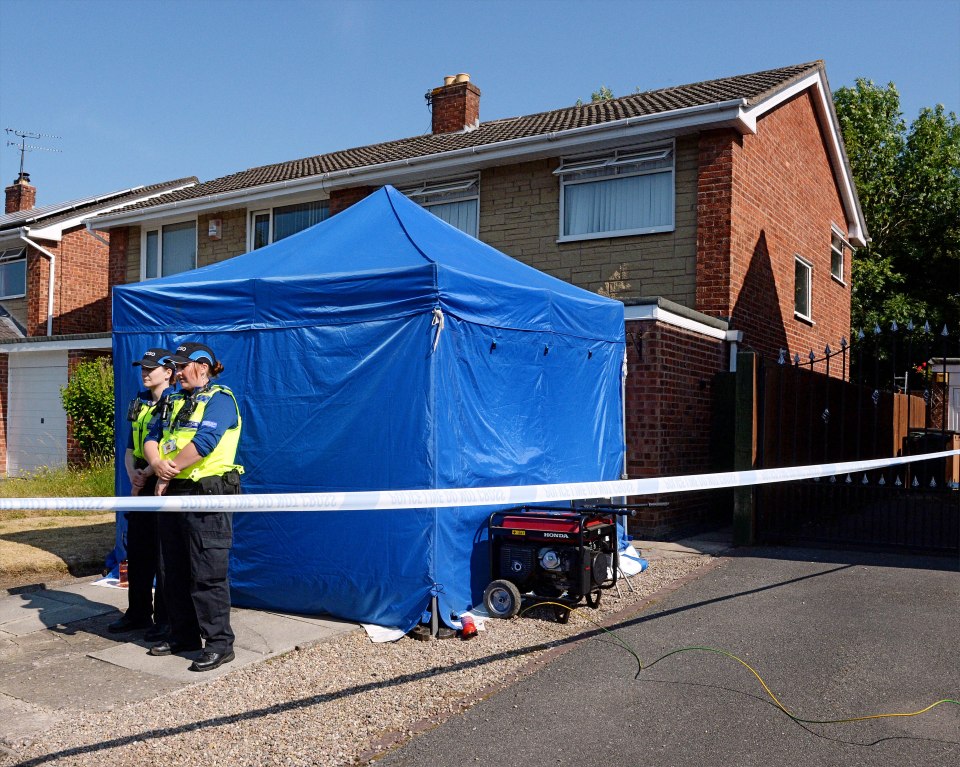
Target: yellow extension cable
784,709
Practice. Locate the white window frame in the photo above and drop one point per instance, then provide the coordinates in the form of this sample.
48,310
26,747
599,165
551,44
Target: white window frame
10,256
837,234
158,228
469,185
798,259
631,156
268,211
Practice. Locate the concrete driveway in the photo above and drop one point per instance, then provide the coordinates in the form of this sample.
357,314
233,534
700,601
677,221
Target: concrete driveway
833,634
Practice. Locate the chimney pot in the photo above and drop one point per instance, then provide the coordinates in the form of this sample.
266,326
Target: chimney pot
448,80
463,77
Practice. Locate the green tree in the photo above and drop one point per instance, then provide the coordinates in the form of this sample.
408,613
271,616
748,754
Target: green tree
908,181
88,400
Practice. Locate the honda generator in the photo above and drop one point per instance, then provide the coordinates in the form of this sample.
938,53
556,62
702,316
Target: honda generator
557,555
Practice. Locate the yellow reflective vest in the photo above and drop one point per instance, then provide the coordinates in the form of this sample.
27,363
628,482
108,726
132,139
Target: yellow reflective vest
178,433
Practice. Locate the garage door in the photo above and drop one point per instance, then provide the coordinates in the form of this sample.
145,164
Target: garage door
36,421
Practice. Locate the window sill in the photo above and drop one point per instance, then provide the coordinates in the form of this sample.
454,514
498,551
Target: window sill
838,280
11,297
804,319
610,235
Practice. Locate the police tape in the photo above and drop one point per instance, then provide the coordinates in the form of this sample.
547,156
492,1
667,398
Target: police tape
514,495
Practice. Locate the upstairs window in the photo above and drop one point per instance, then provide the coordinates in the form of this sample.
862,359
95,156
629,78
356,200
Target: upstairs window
169,250
13,273
838,247
267,226
618,194
803,278
456,202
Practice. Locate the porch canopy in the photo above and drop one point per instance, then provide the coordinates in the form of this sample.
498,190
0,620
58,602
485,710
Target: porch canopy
385,349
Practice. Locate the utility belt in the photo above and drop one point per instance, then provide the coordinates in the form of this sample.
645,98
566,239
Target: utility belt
226,484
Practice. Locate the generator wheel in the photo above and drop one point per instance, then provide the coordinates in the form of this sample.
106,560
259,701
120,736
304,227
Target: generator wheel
593,598
502,599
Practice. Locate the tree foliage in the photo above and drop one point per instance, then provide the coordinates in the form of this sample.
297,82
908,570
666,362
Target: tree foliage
908,181
88,400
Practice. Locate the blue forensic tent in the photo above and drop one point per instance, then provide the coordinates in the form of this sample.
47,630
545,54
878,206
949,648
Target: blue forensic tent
385,349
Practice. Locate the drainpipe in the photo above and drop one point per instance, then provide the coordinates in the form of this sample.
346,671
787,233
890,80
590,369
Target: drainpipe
734,337
53,274
95,235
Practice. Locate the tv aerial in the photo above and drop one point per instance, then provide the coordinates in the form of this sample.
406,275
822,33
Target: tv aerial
24,147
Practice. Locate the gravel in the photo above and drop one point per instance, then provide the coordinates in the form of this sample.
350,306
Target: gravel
337,703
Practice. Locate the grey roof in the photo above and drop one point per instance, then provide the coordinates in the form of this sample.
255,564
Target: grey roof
47,215
753,88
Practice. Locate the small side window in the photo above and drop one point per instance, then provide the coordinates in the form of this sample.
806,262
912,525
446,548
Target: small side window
838,247
803,277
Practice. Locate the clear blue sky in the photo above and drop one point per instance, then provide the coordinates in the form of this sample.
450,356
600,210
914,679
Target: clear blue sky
143,91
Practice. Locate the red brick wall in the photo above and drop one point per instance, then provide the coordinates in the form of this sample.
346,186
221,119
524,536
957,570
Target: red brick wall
116,266
782,201
454,107
341,199
81,290
668,410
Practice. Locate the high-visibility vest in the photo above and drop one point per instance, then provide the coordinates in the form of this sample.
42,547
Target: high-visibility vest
140,426
177,435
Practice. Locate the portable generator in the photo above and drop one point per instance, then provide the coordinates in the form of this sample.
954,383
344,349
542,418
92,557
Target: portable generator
561,555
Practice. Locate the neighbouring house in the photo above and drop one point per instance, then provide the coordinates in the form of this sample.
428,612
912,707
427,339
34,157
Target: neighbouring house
54,312
721,213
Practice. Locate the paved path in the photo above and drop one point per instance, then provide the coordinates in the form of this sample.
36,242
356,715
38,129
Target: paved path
833,634
57,658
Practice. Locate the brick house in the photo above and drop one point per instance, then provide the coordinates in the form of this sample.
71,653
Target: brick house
54,312
722,213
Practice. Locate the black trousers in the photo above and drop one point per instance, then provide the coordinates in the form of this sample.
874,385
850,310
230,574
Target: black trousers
194,560
143,564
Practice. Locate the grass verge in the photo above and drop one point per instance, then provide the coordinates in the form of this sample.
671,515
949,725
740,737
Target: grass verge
36,544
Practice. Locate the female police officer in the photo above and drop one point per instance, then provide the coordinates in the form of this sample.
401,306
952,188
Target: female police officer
193,453
158,373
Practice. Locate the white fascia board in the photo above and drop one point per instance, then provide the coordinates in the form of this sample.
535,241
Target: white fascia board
55,232
724,113
658,314
855,223
58,345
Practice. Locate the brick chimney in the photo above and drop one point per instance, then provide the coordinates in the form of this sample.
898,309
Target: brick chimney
20,195
455,104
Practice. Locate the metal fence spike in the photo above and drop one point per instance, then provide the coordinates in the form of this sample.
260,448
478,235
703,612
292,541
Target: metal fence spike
825,415
910,325
860,335
843,342
876,329
833,479
926,326
848,480
933,482
796,358
875,397
894,327
898,483
826,350
915,483
864,481
882,481
782,358
944,332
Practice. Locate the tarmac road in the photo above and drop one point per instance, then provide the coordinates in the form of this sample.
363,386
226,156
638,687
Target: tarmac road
833,634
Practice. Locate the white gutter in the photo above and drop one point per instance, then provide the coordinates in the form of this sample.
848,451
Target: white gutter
731,112
95,236
53,273
58,345
659,314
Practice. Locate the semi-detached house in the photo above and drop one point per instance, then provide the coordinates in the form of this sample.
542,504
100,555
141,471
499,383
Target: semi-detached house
54,313
722,214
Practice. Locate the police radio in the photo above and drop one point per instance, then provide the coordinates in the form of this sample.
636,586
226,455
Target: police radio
133,409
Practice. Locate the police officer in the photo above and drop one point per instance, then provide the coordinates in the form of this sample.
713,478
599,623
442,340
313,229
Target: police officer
158,373
193,452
